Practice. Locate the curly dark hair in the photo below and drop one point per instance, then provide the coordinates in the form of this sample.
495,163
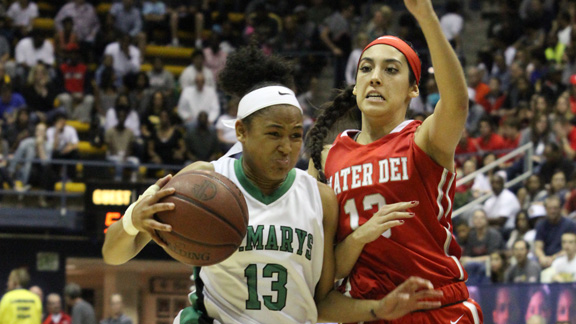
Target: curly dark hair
248,69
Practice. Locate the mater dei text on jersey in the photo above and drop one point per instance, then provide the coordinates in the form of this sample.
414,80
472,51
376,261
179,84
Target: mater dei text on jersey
356,176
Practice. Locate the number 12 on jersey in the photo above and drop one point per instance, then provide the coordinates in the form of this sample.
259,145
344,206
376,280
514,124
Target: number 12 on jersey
368,203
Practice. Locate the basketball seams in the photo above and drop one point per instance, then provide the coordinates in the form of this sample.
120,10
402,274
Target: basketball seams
226,185
209,210
188,240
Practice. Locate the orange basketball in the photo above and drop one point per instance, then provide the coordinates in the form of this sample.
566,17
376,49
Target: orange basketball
209,219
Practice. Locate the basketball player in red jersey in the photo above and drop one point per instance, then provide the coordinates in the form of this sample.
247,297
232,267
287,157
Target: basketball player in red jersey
392,160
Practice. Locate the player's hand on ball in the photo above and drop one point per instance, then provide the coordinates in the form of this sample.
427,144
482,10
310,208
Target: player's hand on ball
414,294
384,219
148,206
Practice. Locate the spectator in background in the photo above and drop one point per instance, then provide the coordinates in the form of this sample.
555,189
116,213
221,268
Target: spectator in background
380,24
22,14
132,122
360,42
40,93
482,241
510,130
31,51
9,102
35,147
564,267
105,90
120,142
22,128
540,134
117,310
155,16
77,99
4,154
85,21
197,98
557,187
183,15
140,92
65,39
82,311
202,140
522,230
336,34
452,24
19,305
503,206
476,87
525,270
161,79
151,116
227,135
125,58
188,76
531,192
494,100
215,56
262,27
127,18
498,266
489,140
63,142
55,313
549,232
166,145
555,162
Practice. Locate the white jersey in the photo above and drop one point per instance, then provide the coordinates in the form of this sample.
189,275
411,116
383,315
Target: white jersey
272,276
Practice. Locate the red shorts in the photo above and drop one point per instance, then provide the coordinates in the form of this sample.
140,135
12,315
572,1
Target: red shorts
459,309
467,312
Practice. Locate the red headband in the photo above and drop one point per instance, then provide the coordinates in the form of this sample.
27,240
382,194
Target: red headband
400,45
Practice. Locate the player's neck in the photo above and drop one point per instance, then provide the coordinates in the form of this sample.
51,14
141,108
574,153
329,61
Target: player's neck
374,129
266,186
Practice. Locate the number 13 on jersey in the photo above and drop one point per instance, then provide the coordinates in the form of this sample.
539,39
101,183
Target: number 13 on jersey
368,203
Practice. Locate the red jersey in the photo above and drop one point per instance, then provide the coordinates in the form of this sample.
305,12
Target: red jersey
74,76
494,143
64,319
390,170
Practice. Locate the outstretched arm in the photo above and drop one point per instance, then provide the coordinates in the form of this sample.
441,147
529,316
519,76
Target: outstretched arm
440,133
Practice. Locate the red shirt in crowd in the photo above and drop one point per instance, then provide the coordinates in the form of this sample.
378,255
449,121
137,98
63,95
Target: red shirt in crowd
74,77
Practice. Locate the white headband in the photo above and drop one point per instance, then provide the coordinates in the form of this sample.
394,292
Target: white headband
262,98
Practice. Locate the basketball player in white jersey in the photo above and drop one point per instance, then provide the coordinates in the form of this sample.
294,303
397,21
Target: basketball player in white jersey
283,272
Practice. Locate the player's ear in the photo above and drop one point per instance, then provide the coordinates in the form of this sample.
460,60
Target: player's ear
414,91
354,90
240,131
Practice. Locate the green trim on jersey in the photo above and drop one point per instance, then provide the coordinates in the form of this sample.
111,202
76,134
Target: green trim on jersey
255,191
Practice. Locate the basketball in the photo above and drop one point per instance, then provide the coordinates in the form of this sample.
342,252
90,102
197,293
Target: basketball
209,219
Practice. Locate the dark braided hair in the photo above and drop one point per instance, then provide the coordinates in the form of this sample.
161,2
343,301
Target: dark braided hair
330,114
249,69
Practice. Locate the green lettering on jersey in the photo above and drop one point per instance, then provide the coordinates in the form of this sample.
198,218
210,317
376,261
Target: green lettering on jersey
286,239
301,234
309,251
272,243
254,238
